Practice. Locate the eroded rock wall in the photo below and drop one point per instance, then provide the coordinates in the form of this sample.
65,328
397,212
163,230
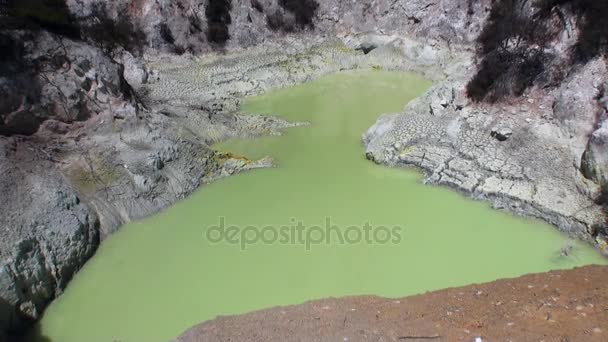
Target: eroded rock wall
541,154
594,164
183,25
56,79
522,155
47,233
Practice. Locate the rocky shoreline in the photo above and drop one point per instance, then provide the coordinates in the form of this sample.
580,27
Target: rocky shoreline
139,157
523,156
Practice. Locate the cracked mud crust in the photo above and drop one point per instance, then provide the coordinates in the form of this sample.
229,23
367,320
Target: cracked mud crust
532,170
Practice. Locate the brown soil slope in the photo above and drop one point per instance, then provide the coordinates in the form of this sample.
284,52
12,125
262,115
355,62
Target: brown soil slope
556,306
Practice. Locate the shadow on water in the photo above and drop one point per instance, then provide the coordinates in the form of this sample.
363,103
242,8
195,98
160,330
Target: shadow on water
34,334
7,318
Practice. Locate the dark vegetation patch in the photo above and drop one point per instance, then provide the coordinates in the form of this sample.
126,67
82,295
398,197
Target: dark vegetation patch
513,47
50,15
23,76
10,50
470,9
257,5
277,21
303,10
196,24
110,33
591,16
166,34
218,21
19,84
296,15
54,16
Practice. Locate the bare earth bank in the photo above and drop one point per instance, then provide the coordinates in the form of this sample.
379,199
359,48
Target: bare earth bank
556,306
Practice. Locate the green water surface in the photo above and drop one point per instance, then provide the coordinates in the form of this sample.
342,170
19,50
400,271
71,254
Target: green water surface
157,277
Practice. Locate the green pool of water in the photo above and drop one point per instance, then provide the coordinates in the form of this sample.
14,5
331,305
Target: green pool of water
158,277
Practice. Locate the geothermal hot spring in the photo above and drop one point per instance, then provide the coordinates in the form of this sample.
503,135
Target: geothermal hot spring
158,277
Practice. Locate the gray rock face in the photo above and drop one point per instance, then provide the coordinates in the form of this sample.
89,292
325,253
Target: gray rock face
594,163
47,232
526,168
595,159
76,82
576,107
134,71
178,26
455,22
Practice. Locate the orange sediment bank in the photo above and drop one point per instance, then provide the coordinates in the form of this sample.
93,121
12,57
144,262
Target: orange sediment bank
555,306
